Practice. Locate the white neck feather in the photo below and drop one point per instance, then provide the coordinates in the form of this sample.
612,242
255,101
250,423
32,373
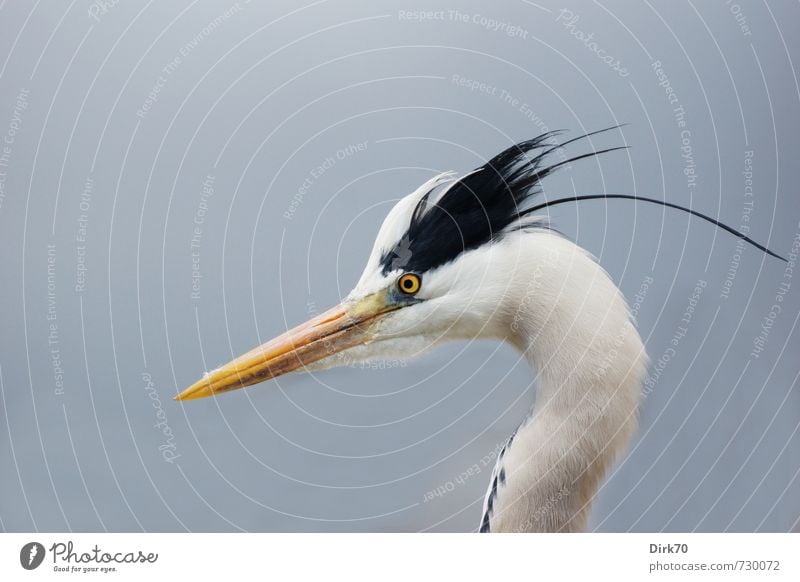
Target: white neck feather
574,327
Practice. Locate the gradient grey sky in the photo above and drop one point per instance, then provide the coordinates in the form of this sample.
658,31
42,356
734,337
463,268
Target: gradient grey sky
180,181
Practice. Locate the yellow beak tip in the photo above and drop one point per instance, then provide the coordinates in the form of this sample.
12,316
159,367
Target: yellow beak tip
199,390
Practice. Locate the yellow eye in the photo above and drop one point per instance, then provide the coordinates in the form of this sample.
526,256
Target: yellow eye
409,283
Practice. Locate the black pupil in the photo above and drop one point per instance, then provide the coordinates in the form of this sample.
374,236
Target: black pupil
408,283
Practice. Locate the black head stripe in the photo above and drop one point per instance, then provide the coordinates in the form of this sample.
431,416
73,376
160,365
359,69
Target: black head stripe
478,208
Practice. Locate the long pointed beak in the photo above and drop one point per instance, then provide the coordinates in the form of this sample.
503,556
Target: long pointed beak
340,328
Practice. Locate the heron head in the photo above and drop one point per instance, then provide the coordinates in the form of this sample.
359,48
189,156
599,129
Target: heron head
452,260
440,269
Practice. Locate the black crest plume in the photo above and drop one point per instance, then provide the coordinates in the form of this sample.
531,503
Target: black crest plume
490,201
479,207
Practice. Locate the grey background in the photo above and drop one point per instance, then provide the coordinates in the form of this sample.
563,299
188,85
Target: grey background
258,101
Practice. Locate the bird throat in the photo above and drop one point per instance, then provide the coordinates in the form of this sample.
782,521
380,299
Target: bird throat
589,364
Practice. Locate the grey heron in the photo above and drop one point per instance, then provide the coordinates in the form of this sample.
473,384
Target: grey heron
467,258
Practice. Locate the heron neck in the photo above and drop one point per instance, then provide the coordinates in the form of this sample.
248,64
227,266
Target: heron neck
589,363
